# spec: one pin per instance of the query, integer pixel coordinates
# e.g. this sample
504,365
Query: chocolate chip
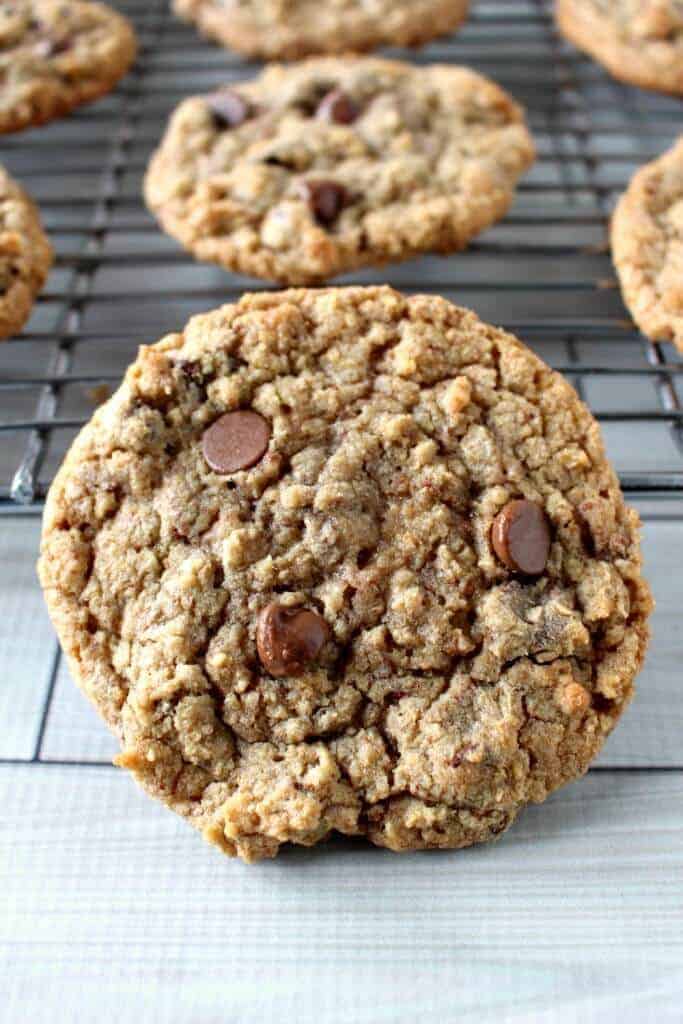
280,161
289,639
236,441
395,696
229,109
326,200
602,703
191,369
46,48
461,755
521,537
338,107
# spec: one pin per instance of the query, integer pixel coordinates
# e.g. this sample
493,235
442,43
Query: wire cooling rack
544,272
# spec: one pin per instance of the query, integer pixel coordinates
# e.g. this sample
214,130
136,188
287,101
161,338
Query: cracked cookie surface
647,247
291,29
56,55
329,639
314,170
25,255
638,41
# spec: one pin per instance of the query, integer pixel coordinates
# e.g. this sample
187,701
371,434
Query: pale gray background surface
111,909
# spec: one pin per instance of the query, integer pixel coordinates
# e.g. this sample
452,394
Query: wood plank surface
116,907
27,643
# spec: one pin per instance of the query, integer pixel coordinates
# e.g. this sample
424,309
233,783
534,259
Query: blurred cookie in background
25,255
647,247
315,169
56,55
638,41
290,29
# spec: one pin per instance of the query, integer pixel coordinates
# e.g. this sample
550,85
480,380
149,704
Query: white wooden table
111,909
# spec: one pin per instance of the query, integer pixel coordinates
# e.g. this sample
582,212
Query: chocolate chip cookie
316,169
56,55
25,255
647,247
290,29
638,41
341,560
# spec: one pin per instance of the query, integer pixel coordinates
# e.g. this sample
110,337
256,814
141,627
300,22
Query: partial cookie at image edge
630,62
647,253
50,96
25,248
435,18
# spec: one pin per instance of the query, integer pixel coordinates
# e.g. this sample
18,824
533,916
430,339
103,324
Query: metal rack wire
545,272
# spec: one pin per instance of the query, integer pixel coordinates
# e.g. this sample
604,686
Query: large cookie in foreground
638,41
290,29
330,165
344,560
56,55
25,255
647,247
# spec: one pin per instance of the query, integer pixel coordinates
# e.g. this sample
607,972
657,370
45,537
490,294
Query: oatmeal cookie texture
647,247
290,29
344,560
326,166
56,55
25,255
638,41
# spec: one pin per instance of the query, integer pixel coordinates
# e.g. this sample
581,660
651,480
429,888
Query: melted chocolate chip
46,48
602,704
229,109
289,639
338,107
190,369
280,161
326,200
238,440
395,697
521,537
